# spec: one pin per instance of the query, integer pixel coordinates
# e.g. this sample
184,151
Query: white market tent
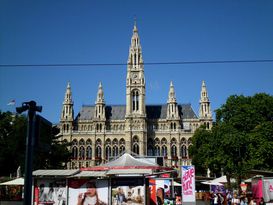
18,181
219,181
222,179
212,183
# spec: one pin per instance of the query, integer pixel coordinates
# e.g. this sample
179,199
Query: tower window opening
135,99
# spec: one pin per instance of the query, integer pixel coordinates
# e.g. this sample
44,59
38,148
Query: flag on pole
12,102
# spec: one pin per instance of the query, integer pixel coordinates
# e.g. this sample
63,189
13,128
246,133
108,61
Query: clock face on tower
135,76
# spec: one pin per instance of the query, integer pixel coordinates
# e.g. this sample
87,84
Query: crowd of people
232,199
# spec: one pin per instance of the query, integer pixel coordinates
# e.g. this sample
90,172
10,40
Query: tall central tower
135,97
135,82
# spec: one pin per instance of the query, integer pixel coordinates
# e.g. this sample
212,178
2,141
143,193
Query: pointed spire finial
68,84
203,84
135,24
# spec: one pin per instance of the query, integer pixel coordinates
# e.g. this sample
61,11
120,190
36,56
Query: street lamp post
30,140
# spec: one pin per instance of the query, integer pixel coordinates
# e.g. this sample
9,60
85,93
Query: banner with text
188,183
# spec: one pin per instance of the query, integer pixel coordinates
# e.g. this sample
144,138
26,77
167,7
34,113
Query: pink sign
188,183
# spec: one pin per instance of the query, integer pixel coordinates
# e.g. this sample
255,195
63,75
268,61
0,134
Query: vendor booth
124,180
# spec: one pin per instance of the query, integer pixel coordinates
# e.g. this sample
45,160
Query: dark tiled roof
117,112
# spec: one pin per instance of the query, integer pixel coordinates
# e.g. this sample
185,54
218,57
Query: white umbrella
18,181
212,183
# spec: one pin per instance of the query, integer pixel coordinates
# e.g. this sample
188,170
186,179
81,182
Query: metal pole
29,156
30,139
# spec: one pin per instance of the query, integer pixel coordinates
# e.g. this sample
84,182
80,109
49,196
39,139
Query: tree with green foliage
240,140
49,152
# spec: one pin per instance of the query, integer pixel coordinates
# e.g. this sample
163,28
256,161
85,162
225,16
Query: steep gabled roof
117,112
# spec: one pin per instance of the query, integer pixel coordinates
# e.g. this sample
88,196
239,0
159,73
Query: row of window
115,141
114,151
100,127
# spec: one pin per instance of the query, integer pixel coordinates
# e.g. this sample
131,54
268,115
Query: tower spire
204,108
100,105
67,111
135,81
172,109
100,94
172,98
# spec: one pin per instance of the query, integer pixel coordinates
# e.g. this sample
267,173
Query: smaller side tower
99,115
173,117
205,115
67,115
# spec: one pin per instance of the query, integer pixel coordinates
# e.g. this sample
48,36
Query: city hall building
101,132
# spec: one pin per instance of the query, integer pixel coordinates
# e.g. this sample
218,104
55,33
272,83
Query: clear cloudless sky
99,32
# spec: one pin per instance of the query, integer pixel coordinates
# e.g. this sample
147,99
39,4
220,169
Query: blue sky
99,31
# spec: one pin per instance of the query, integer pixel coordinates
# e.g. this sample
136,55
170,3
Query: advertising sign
52,192
160,191
128,191
188,183
268,190
88,192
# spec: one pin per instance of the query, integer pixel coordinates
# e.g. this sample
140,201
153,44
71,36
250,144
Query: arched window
189,141
74,152
183,151
82,152
107,152
115,141
163,141
164,151
135,145
183,141
121,149
98,149
174,151
157,141
88,142
157,150
115,151
74,142
81,142
88,152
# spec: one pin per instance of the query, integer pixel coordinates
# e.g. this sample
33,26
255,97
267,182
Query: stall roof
18,181
129,171
55,172
126,161
90,174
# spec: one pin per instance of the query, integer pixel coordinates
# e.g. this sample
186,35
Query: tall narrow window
174,152
135,145
82,153
135,100
184,151
164,151
157,150
108,152
89,152
74,152
115,151
98,152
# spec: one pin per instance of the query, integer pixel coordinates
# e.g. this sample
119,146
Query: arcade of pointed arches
82,149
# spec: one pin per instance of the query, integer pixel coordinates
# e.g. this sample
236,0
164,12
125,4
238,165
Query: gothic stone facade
102,132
